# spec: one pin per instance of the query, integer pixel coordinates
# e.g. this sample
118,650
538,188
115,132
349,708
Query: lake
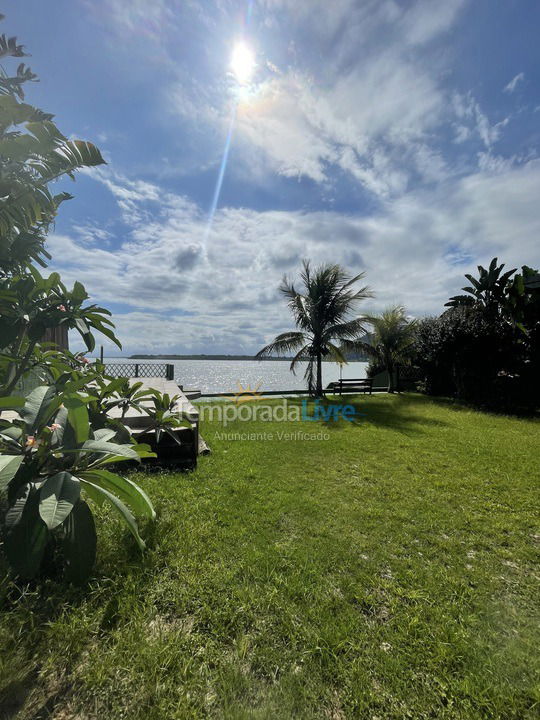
224,375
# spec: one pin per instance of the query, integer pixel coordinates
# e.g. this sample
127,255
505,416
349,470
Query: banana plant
487,291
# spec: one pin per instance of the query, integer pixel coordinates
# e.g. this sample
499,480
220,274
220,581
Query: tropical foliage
390,341
52,459
30,304
486,347
33,153
322,311
488,291
58,441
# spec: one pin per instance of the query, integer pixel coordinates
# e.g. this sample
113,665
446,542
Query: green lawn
390,571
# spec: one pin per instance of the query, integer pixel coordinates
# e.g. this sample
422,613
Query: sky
399,138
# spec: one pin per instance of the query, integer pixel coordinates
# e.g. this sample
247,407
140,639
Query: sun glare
243,62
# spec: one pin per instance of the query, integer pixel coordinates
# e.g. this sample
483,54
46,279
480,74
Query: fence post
169,374
136,370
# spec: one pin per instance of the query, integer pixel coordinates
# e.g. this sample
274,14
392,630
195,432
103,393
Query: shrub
57,442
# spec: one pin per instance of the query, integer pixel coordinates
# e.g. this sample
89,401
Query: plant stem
22,367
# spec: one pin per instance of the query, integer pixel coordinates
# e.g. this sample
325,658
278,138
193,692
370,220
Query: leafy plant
58,443
33,153
486,347
487,292
52,460
322,313
29,305
162,418
390,343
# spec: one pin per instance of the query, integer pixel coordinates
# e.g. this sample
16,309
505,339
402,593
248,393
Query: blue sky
397,138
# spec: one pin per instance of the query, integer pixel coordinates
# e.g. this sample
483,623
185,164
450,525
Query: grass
389,571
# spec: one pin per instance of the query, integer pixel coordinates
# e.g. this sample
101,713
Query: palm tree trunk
390,369
318,387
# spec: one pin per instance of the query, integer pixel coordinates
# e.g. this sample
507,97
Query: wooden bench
352,385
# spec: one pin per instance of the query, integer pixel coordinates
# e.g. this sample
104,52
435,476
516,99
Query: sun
243,62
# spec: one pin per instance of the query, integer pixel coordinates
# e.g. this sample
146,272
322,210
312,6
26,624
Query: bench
352,385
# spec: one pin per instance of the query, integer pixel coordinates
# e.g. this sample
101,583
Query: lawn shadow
36,605
33,606
396,412
456,405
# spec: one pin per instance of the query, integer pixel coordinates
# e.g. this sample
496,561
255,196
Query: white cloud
136,17
177,294
427,20
343,87
363,123
472,121
514,82
376,108
347,93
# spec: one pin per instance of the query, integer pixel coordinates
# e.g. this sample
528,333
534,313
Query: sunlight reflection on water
224,375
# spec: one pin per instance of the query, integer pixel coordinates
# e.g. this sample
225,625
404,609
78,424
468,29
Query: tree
462,352
485,347
58,441
322,313
391,341
33,153
486,292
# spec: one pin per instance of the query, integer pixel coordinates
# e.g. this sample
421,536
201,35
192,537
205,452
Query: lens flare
243,62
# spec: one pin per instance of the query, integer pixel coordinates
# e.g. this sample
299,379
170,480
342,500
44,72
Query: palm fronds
322,312
282,345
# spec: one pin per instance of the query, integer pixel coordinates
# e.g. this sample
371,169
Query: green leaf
11,434
93,492
109,333
89,341
12,403
81,326
126,490
81,382
79,293
25,543
77,416
40,405
79,543
58,495
144,450
119,507
16,509
109,448
64,435
9,464
104,434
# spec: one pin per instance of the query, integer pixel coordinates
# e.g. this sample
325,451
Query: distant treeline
352,358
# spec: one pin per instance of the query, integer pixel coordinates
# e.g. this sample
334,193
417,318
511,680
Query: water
224,375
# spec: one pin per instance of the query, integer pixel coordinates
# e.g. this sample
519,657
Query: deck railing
140,370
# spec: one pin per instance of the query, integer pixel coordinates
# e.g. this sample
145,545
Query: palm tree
390,341
322,313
